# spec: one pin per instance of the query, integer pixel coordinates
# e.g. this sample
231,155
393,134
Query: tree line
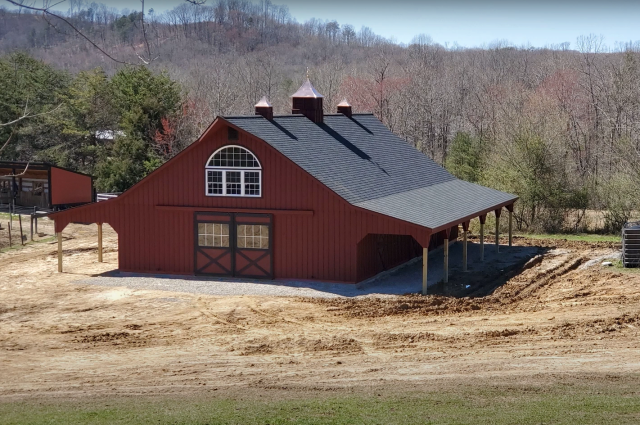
557,126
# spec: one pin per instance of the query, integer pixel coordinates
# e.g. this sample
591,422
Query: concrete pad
408,279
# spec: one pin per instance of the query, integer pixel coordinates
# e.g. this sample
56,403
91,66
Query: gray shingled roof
370,167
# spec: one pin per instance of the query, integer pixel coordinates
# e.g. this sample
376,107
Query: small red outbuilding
334,197
42,185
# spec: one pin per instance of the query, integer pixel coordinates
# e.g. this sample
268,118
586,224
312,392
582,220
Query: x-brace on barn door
237,245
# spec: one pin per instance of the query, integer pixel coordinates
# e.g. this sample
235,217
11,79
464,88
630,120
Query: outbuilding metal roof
362,161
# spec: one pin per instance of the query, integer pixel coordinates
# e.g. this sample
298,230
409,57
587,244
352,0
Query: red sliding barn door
253,240
237,245
213,248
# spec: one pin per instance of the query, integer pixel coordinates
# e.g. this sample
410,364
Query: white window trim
224,175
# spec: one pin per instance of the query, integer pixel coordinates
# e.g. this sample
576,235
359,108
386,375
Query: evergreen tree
465,159
142,100
27,83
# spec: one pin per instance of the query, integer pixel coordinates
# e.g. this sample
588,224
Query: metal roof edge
474,215
34,163
48,165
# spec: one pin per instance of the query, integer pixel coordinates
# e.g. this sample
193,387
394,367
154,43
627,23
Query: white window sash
242,172
224,183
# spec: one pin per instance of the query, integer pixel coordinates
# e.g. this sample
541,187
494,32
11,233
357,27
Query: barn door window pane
253,236
213,235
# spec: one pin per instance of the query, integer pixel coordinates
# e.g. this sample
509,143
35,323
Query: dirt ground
555,320
45,230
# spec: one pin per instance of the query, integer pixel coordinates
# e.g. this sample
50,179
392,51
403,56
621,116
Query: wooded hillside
557,126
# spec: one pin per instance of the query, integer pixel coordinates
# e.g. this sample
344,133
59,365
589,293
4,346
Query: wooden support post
21,234
59,252
498,212
446,260
36,222
465,230
9,229
483,219
31,226
510,209
100,242
447,235
425,261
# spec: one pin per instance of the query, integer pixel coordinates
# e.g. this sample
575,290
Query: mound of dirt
121,339
566,244
267,345
623,323
371,307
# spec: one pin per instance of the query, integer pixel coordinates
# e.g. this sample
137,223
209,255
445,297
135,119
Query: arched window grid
233,171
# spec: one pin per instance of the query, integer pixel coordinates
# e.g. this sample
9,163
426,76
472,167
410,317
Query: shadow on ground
480,279
483,279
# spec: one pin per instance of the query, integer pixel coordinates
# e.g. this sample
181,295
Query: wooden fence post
21,234
100,242
59,252
9,228
31,226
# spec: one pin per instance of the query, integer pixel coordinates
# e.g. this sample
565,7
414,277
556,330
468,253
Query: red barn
334,197
42,185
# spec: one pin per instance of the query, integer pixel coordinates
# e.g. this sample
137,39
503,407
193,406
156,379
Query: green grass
584,237
617,265
561,404
17,245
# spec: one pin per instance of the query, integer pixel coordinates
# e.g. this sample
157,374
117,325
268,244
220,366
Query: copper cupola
308,102
344,107
264,108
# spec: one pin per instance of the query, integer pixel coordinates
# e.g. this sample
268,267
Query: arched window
233,171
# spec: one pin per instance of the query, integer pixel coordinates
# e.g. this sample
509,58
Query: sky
468,23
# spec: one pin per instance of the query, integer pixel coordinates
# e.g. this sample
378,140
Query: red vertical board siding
324,246
70,188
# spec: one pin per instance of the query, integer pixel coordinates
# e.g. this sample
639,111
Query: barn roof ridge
248,117
235,117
